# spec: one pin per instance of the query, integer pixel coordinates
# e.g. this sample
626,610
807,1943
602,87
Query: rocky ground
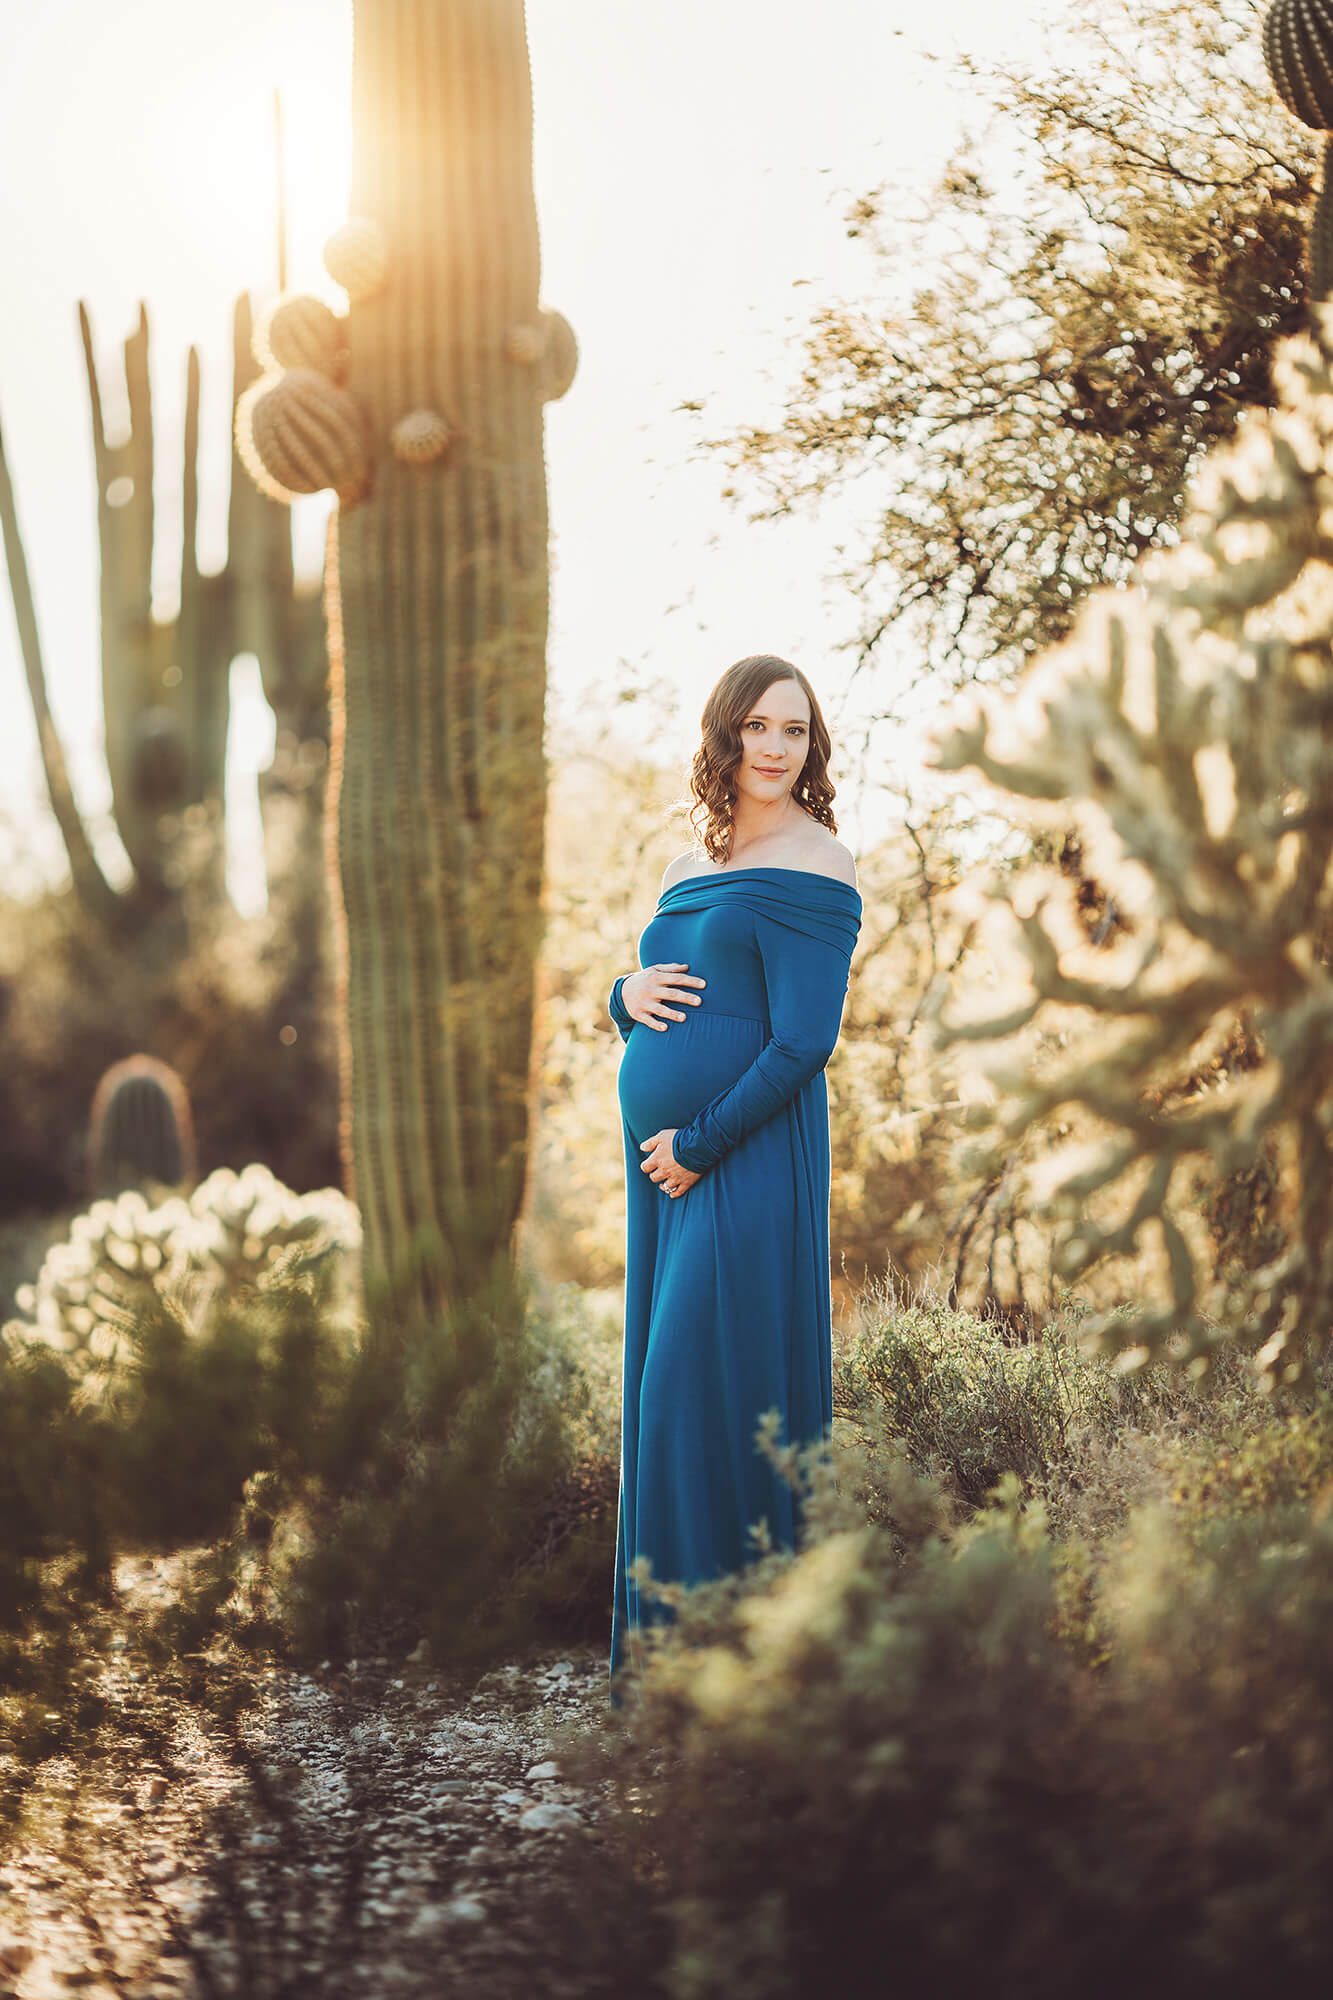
366,1830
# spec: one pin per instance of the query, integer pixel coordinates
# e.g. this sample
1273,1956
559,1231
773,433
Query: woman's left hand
662,1165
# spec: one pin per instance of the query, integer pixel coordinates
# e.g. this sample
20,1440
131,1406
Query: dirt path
359,1833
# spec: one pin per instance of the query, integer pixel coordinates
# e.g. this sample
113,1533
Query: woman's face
775,736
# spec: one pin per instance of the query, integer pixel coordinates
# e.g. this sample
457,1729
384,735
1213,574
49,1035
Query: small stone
549,1817
465,1909
550,1769
462,1909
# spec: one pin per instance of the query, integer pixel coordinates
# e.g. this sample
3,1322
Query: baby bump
666,1077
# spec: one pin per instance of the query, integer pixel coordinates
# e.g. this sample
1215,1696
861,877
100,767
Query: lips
768,774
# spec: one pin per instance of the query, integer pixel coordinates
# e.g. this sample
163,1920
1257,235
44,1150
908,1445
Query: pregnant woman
727,1028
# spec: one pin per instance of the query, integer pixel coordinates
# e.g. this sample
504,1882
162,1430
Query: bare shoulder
837,860
684,864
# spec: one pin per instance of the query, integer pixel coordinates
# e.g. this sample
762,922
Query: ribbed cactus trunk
438,595
1298,49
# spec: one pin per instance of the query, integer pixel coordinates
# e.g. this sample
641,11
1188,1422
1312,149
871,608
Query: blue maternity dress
728,1309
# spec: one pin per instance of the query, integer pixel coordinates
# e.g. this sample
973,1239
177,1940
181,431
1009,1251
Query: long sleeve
617,1009
806,982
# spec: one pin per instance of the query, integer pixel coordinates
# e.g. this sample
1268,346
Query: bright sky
694,160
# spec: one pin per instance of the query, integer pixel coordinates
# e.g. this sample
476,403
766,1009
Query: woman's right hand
646,994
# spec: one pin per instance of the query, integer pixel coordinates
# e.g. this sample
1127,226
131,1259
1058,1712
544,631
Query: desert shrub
469,1495
1285,1465
158,1456
822,1769
243,1404
968,1399
1218,1712
880,1754
319,1481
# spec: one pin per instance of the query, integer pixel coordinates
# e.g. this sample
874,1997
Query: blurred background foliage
1084,302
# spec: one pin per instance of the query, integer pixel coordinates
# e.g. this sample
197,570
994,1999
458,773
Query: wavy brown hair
712,774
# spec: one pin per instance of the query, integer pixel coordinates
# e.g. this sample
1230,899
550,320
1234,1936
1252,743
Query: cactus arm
205,639
95,893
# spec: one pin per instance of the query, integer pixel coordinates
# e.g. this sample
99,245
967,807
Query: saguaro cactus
1298,50
165,681
437,594
165,690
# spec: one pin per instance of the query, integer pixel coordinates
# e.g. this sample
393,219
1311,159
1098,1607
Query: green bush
322,1485
968,1400
1285,1464
467,1493
879,1755
158,1457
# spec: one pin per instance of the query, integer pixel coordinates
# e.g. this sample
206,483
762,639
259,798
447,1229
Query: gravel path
364,1832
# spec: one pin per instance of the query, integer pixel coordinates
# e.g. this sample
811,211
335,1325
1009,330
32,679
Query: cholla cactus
234,1230
1188,721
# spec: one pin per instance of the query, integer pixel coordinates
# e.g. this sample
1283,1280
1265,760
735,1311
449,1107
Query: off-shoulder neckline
717,874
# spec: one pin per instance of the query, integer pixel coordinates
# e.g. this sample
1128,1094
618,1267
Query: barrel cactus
437,606
140,1129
